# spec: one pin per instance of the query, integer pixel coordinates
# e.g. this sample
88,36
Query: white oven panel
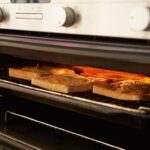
114,18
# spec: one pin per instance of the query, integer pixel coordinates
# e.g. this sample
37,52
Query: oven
110,36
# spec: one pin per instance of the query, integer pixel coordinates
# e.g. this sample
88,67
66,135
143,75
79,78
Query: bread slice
63,84
29,72
129,90
61,71
107,74
117,84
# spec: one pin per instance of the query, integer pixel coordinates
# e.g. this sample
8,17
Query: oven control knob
140,19
1,15
62,16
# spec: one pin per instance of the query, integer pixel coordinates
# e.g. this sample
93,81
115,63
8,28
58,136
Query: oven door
31,125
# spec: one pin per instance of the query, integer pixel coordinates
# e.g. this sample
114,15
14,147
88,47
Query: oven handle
60,129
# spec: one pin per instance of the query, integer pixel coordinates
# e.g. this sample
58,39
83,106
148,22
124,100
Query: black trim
93,38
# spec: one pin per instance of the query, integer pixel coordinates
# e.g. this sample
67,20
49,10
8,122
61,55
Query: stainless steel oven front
112,18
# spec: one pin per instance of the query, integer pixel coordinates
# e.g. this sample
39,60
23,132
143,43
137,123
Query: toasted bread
61,71
62,83
130,90
107,74
29,72
26,73
117,84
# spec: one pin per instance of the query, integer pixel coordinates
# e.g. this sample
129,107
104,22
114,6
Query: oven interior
72,121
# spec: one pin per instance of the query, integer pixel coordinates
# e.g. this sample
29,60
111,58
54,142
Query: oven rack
137,116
